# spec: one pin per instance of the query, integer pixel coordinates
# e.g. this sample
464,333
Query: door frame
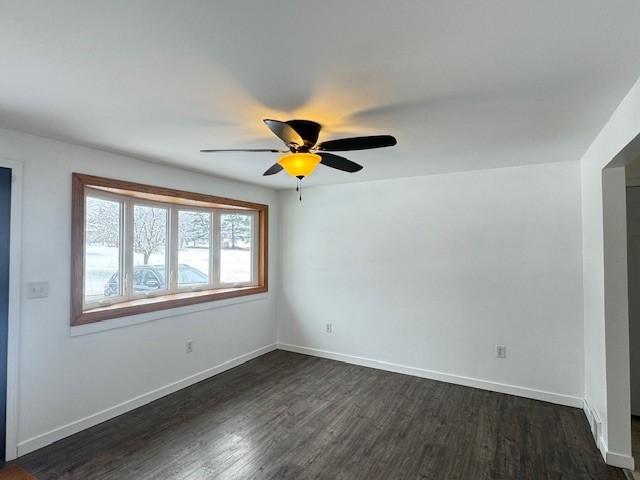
13,334
616,436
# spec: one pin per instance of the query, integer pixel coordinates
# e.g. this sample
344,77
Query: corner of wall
604,365
278,279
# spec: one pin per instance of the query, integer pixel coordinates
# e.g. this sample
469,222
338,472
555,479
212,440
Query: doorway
633,273
5,227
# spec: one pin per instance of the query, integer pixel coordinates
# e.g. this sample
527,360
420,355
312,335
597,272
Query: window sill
154,304
124,322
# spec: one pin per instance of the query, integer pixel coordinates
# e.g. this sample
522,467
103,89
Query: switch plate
501,351
188,346
37,289
328,328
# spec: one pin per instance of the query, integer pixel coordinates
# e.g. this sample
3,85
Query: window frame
129,252
121,251
218,248
175,262
131,194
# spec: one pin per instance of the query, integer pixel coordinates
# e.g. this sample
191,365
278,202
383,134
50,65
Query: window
103,255
150,249
138,248
236,238
194,252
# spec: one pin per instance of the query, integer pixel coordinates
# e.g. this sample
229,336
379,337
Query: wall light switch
37,289
501,351
328,328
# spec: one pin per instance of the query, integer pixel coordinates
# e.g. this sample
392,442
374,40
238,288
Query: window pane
193,248
102,249
149,248
235,248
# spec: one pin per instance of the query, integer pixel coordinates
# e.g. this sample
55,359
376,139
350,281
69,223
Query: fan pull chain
299,189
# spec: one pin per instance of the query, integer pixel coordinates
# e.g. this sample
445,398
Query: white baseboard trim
596,427
519,391
619,460
611,458
39,441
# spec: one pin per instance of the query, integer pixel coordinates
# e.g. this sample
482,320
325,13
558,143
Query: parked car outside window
147,278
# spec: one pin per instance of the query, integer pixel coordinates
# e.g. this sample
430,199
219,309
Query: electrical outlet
328,328
37,289
188,346
501,351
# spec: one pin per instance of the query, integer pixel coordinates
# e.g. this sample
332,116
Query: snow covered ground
102,262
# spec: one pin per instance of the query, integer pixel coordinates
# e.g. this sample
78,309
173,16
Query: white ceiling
462,84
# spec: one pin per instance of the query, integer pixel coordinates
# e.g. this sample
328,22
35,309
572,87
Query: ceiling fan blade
284,131
341,163
357,143
272,150
273,169
307,130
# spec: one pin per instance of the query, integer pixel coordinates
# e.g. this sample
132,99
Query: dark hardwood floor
290,416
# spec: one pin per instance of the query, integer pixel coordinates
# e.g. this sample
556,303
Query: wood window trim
80,182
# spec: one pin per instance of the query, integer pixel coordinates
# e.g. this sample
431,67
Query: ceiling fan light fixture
299,165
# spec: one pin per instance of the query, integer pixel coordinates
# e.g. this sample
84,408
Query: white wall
65,378
433,272
606,354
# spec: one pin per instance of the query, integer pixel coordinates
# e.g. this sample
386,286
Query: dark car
147,278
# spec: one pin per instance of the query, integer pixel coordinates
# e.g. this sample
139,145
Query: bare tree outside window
102,220
149,231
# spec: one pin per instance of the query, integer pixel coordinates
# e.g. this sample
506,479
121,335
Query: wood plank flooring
14,472
290,416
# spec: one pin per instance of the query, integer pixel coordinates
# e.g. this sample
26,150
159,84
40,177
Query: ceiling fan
305,153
